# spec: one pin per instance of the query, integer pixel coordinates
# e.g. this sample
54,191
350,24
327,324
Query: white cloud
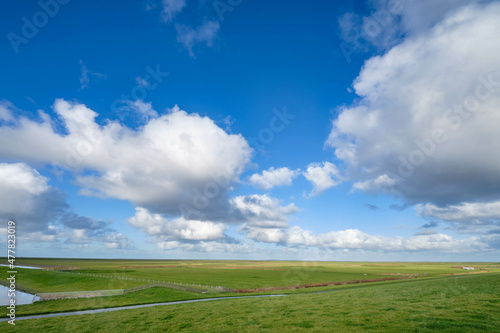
38,236
204,33
420,16
273,177
427,120
41,212
354,239
389,21
468,217
322,176
27,197
486,211
178,229
143,109
171,8
208,247
261,211
381,183
117,241
177,158
6,111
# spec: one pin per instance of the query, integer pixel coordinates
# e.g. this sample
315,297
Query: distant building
468,268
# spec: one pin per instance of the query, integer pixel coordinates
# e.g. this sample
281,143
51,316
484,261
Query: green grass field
438,295
455,304
232,274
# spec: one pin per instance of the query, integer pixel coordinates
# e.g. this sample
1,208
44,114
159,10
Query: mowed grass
454,304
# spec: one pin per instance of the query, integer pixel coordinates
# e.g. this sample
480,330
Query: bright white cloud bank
171,160
426,126
357,240
178,164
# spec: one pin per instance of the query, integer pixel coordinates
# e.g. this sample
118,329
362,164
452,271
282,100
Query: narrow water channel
21,297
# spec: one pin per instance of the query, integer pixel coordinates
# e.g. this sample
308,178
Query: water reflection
21,298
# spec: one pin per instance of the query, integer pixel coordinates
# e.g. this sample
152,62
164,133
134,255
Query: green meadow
456,304
425,296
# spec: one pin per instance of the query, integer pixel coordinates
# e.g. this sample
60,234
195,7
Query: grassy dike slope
456,304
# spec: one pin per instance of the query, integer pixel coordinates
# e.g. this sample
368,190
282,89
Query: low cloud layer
357,240
259,211
471,218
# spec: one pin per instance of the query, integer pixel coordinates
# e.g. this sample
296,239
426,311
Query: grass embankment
453,304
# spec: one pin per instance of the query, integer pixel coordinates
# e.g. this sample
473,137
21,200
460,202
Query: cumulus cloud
41,212
273,177
357,240
6,109
28,198
178,229
204,33
322,176
426,123
261,211
174,159
390,21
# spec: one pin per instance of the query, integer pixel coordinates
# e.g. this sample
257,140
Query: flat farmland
467,303
231,274
243,277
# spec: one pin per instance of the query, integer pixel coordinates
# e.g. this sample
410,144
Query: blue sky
355,130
